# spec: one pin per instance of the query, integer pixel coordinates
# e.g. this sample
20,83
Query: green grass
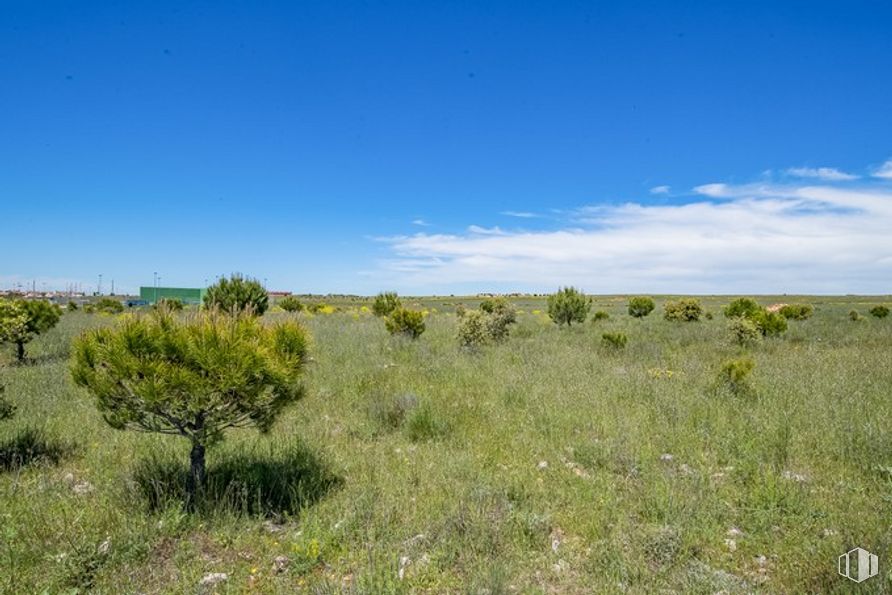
536,465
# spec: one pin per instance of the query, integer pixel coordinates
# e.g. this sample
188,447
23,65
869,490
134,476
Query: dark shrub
291,304
879,311
797,311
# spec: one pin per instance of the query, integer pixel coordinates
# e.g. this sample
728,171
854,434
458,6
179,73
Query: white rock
542,465
82,487
404,562
666,457
731,544
280,563
104,546
213,578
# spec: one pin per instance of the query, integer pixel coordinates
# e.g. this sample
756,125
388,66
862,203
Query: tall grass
543,464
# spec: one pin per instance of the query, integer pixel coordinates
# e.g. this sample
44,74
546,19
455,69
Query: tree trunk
20,350
197,472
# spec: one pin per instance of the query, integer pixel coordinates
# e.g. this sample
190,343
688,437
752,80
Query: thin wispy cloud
485,231
734,238
884,171
829,174
520,214
420,223
660,190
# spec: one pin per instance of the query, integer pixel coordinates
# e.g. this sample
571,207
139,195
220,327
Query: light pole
99,287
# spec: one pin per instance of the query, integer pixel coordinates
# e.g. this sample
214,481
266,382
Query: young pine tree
385,303
192,377
237,295
568,305
22,320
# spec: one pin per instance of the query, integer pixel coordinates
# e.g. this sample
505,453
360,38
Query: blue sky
449,147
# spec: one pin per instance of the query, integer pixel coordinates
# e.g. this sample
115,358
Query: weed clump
734,376
422,425
600,315
614,341
7,409
391,413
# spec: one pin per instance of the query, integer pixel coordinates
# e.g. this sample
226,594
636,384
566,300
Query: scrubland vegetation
464,452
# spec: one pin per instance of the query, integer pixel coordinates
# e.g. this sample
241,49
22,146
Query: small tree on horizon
22,320
193,377
237,295
568,305
385,303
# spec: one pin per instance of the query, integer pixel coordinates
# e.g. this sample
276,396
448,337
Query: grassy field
546,464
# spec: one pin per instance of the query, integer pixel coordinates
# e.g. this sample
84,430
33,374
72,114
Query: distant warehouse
187,295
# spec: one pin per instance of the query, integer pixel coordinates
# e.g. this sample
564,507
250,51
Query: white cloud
884,171
829,174
714,190
421,223
660,190
486,231
761,238
521,214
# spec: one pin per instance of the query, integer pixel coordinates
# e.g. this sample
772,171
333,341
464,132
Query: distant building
187,295
279,293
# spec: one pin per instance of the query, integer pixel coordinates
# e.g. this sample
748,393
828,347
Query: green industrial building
187,295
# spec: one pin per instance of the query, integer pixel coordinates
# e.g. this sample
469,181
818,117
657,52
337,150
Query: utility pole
155,285
99,287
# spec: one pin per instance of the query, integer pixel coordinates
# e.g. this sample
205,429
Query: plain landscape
551,460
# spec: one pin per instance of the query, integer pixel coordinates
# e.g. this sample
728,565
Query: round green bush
744,306
684,310
640,306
